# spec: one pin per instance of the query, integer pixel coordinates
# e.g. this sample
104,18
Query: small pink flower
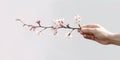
77,19
38,32
60,22
55,31
32,28
18,20
55,25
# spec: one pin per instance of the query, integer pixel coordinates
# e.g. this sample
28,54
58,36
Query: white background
18,43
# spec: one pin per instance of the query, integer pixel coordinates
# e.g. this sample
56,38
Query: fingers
79,30
91,26
87,30
89,37
91,31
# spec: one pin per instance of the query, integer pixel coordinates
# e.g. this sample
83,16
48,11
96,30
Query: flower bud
38,22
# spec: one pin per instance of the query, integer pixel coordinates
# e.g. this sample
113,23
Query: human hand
96,32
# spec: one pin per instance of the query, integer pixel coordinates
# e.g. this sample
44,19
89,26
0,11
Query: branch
58,24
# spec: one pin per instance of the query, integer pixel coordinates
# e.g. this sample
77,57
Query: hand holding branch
91,31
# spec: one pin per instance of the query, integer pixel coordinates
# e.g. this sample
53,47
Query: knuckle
97,24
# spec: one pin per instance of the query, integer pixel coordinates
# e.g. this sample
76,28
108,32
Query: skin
99,34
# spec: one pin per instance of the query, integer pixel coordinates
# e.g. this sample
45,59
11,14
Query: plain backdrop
18,43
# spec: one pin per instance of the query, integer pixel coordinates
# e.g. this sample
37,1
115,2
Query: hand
96,32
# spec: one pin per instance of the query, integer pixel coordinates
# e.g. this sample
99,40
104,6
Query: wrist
114,36
114,39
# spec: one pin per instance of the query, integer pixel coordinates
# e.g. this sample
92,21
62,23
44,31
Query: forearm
115,39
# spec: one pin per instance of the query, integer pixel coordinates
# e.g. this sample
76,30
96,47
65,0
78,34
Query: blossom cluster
57,24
